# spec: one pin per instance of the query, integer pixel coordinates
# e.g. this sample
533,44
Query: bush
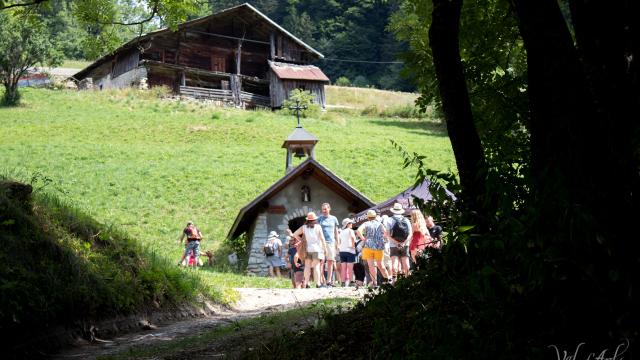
407,111
303,98
343,81
370,110
361,81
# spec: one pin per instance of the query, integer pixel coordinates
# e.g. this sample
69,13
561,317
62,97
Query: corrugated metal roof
298,72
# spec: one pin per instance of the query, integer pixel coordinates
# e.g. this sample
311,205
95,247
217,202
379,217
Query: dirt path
253,302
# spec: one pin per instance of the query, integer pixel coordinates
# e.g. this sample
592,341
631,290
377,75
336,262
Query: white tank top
311,236
345,241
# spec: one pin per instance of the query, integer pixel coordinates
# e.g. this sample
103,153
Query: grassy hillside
60,267
149,165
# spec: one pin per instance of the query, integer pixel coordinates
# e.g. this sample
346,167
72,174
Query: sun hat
346,222
371,214
273,234
397,209
311,216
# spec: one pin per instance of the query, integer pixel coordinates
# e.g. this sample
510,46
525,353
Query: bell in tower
299,144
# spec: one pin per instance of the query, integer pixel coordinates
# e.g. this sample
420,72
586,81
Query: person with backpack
400,234
421,236
372,232
273,251
312,248
194,236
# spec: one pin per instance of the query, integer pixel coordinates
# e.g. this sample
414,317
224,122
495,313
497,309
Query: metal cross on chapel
297,108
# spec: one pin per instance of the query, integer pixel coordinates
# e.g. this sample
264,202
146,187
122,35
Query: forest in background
343,30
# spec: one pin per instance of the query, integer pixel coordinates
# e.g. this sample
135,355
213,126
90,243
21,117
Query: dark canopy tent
406,198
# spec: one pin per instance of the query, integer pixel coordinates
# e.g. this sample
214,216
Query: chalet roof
297,72
309,167
300,135
185,25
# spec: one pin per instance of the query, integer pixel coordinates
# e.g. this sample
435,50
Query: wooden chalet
237,56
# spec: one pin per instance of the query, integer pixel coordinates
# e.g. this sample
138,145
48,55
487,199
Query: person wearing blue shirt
330,229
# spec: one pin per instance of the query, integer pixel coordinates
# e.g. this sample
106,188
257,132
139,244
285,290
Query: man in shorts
194,236
273,254
330,227
372,232
399,247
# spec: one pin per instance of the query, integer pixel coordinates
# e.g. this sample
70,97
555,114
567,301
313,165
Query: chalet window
218,63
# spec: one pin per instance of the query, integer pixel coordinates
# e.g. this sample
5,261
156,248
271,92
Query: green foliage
343,81
24,43
360,81
304,99
495,69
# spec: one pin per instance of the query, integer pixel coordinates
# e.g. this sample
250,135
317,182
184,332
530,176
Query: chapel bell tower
300,144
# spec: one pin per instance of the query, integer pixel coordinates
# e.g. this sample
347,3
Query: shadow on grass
421,127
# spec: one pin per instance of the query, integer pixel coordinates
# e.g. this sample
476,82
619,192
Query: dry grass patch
360,98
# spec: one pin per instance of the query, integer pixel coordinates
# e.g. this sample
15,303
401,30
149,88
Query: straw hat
346,222
371,214
397,209
312,216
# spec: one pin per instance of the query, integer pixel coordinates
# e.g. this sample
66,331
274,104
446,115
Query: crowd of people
332,253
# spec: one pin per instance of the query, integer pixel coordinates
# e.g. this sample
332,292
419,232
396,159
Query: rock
146,325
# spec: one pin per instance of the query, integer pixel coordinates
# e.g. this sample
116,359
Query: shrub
361,81
370,110
303,98
407,111
343,81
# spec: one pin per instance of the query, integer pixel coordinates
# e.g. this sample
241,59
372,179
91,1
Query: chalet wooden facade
237,56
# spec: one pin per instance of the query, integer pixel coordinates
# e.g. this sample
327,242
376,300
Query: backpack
400,229
268,248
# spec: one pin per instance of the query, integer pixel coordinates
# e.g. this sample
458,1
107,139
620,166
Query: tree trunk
582,107
11,95
444,42
562,144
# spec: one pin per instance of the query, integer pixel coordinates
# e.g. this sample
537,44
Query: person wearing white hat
347,249
312,249
273,251
372,232
401,227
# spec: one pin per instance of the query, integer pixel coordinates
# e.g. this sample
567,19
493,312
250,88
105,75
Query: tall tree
443,38
24,43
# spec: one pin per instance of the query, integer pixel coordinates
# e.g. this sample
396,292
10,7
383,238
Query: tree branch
154,12
34,2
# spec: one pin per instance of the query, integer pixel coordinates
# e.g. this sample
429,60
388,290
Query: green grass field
147,165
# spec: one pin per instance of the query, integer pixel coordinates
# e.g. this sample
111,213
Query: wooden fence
246,98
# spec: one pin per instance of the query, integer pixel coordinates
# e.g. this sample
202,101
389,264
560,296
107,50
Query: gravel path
253,302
